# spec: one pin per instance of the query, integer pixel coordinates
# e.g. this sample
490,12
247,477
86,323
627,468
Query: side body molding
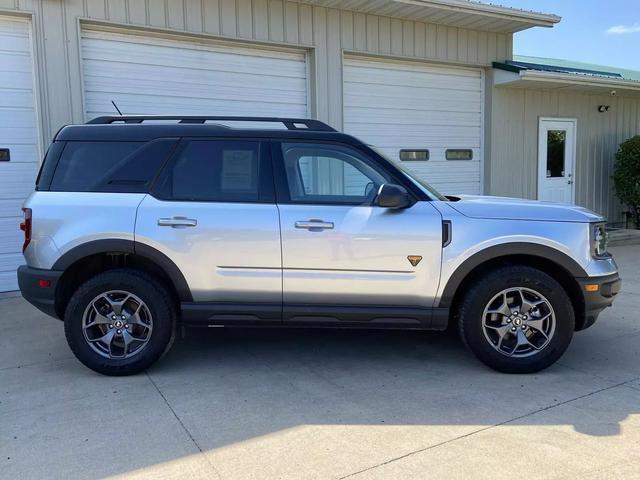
128,246
505,250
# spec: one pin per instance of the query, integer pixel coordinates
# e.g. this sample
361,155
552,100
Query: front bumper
599,293
38,287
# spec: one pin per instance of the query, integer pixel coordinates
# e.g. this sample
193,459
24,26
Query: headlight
599,240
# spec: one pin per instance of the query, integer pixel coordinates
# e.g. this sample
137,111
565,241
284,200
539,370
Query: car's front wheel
516,319
120,322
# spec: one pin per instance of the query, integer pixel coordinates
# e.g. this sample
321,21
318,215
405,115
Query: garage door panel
148,75
14,80
8,263
16,118
12,98
431,132
409,67
418,82
418,117
15,42
9,280
11,207
24,153
458,178
171,58
17,180
244,90
413,105
100,104
18,133
11,237
145,75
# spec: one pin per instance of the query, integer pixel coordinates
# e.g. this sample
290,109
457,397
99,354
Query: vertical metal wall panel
514,142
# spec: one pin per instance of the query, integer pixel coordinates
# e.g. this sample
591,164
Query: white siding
400,105
147,75
18,133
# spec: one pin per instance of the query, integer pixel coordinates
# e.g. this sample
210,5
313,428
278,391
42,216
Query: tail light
25,226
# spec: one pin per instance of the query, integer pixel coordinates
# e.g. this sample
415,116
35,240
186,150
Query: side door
212,212
556,160
345,259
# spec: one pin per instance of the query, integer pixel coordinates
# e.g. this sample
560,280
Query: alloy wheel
519,322
117,324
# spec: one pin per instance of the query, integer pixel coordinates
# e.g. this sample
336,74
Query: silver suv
139,225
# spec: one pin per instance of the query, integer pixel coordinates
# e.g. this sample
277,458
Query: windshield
421,184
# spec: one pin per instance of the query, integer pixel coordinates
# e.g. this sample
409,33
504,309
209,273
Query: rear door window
216,171
110,166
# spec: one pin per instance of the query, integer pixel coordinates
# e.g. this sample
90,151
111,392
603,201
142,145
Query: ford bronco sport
140,225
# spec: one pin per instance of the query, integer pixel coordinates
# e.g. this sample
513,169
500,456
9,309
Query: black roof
145,128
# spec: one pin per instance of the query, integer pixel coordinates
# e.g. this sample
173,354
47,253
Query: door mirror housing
393,196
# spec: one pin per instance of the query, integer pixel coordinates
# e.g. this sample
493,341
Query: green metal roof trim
567,66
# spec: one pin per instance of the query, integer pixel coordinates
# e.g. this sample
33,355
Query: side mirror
393,196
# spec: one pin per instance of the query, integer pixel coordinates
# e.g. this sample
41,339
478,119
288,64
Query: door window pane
556,141
330,174
215,171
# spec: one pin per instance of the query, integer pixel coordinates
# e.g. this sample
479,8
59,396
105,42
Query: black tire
148,289
484,288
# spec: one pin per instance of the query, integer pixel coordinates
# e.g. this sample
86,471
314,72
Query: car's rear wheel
516,319
120,322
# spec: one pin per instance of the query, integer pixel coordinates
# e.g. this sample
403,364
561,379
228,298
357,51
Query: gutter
498,11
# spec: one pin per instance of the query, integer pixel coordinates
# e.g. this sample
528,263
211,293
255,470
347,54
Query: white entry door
556,159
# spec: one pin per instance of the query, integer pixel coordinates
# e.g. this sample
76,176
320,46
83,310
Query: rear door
344,258
212,212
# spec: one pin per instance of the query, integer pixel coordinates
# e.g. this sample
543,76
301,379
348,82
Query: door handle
314,224
177,222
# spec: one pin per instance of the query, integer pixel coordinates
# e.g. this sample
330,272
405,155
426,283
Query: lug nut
110,325
513,329
122,317
508,320
126,325
113,317
119,332
524,327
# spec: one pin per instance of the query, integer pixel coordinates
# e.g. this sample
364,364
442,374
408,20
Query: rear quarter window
127,167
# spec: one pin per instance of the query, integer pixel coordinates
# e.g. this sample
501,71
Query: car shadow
304,376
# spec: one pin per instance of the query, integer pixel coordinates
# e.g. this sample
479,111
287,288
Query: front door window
330,174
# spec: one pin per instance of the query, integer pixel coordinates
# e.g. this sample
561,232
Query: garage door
396,105
151,75
18,141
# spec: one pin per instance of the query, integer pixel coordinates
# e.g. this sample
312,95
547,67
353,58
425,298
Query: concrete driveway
322,404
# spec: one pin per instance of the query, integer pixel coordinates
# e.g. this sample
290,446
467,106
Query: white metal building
400,74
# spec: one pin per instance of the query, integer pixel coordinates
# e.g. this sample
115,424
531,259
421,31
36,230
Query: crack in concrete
184,427
489,427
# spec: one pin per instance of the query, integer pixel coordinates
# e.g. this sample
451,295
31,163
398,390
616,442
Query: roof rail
290,123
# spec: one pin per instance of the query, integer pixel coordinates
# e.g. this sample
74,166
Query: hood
503,208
